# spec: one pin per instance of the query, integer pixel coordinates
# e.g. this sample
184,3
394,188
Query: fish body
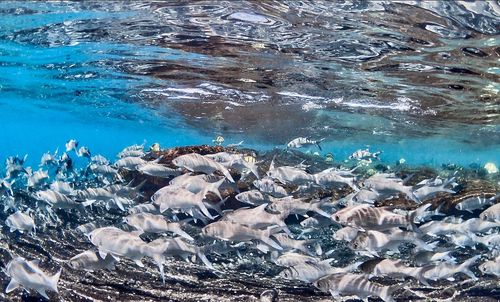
354,284
91,261
230,231
29,275
151,223
157,170
180,199
446,270
130,163
21,222
370,218
199,163
301,142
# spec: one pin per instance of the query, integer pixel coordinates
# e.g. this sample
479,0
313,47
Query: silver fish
198,163
21,222
90,261
301,142
354,284
230,231
29,275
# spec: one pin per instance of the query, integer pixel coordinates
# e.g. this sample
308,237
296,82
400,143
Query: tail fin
266,237
465,267
200,252
214,187
54,280
316,207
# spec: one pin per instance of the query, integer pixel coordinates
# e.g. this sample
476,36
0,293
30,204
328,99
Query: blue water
113,74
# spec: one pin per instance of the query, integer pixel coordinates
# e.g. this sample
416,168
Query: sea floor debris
383,208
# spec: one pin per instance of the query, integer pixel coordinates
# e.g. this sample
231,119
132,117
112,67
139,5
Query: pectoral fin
12,286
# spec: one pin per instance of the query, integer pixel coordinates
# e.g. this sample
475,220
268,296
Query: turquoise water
112,74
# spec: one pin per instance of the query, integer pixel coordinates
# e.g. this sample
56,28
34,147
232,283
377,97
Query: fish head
360,242
74,264
287,274
322,284
209,230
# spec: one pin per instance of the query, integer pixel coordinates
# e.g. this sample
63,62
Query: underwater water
415,79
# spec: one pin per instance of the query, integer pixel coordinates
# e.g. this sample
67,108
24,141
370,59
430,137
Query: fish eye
336,217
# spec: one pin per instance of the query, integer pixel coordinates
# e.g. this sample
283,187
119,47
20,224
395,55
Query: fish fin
13,284
465,267
102,254
119,204
139,263
88,202
54,280
268,232
43,293
388,291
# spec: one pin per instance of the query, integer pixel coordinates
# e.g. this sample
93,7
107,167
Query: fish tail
316,207
412,215
54,280
465,267
214,188
200,252
267,239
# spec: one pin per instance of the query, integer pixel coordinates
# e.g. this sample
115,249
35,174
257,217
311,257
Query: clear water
416,79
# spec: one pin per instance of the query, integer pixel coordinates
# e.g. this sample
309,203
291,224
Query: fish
428,257
144,208
198,163
389,185
268,186
289,259
197,183
157,170
492,213
21,222
230,231
474,203
49,159
330,178
436,228
310,271
91,261
477,225
375,241
346,234
60,201
342,284
72,144
298,207
14,166
178,198
491,267
370,218
119,243
397,269
289,175
365,154
37,178
151,223
290,244
256,218
236,162
179,247
84,152
29,275
426,192
132,151
129,163
253,197
446,270
301,142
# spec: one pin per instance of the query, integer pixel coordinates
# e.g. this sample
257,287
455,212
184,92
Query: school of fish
274,213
